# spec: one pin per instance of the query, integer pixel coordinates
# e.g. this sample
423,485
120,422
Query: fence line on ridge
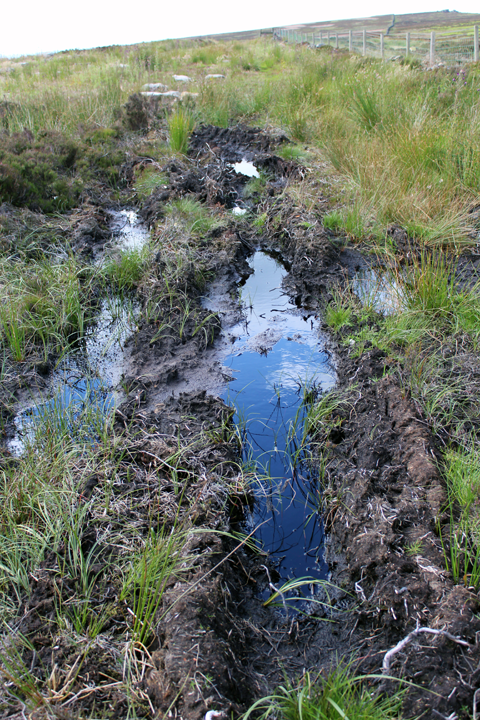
430,48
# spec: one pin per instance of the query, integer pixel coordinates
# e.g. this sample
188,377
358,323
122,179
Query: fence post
336,41
328,41
475,43
407,45
382,48
432,48
321,38
364,51
350,41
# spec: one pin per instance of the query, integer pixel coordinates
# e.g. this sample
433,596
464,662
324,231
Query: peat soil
214,645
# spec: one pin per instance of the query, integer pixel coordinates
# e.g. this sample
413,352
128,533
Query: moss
50,173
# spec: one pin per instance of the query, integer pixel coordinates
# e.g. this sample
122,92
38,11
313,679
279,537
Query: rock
185,95
215,76
158,87
169,93
182,78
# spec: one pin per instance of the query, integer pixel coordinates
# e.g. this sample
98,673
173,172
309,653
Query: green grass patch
180,124
195,218
339,695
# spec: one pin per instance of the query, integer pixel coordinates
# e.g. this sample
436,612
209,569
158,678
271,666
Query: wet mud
215,644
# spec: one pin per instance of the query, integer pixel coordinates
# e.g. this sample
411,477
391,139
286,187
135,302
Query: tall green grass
403,144
43,304
180,124
338,695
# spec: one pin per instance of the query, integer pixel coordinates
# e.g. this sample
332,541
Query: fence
431,48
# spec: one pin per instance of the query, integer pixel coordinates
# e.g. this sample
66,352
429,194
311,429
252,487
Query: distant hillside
443,20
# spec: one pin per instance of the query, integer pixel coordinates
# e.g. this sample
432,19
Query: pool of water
246,168
277,352
83,387
128,232
380,290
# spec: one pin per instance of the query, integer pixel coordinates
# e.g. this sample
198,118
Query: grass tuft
180,124
339,695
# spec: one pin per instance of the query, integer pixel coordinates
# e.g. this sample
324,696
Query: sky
35,26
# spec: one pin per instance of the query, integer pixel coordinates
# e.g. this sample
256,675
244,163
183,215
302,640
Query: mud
215,645
384,493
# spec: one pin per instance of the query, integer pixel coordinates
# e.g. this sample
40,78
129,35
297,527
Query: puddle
83,387
238,210
246,168
276,351
129,232
379,290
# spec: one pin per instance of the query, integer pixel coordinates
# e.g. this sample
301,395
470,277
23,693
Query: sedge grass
43,303
180,124
192,216
340,694
402,145
462,544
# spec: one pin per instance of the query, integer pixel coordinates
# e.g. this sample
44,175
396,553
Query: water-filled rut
277,359
83,387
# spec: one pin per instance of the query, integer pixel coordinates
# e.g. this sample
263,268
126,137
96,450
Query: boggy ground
385,501
172,464
384,495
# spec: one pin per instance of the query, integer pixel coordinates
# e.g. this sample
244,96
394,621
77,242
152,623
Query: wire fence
431,49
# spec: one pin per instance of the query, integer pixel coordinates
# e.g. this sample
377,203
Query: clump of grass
44,304
340,694
125,271
338,312
333,220
290,151
193,215
148,180
255,186
365,109
414,548
354,221
180,124
157,565
462,548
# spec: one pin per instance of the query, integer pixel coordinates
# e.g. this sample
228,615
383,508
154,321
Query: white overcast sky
34,26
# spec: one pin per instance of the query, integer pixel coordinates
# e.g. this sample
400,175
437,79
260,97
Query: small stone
159,87
216,76
182,78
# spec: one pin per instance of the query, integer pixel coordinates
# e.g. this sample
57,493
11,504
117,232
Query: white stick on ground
399,646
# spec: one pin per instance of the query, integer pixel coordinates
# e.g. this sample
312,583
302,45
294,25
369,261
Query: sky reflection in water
267,394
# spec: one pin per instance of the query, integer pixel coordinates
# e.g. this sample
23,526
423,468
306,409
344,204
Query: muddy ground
215,645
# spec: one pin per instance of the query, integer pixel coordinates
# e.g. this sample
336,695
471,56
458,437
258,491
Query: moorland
130,585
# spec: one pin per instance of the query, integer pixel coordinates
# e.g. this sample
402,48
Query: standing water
83,385
276,355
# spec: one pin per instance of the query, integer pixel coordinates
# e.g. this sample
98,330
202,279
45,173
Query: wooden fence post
364,50
350,41
382,48
407,44
475,43
432,48
336,41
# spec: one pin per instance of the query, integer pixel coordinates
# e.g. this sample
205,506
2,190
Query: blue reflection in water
275,354
82,389
78,408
